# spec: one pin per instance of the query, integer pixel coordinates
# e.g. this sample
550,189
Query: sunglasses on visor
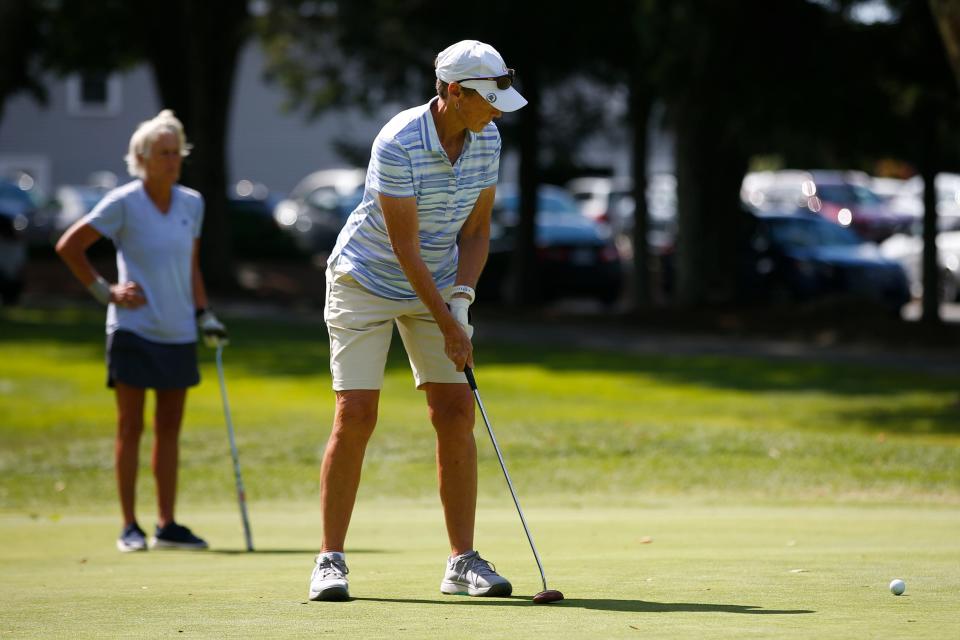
503,82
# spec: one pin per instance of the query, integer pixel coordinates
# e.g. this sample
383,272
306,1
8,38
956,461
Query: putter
547,595
238,479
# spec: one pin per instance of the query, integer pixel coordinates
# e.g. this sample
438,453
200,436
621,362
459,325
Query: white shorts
360,325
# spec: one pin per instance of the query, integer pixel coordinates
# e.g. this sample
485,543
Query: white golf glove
460,308
214,333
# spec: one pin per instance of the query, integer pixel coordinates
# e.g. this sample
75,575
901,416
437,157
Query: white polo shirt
155,250
408,160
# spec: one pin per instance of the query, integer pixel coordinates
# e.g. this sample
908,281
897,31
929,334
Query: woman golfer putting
415,244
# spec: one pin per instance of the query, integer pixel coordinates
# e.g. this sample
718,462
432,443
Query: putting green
683,569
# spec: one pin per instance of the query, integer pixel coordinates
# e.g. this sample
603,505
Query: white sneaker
469,574
329,578
132,538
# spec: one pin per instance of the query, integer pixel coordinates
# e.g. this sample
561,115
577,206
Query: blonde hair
146,134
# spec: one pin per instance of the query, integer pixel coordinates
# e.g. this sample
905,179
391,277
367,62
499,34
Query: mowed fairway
669,496
678,570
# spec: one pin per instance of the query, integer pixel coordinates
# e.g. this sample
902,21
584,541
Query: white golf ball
897,587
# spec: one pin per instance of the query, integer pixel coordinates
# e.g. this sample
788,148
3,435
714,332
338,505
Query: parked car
596,194
254,231
906,197
907,249
318,207
16,203
611,200
576,257
16,208
843,197
72,202
798,257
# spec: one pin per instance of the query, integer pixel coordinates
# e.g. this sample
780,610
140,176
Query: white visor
505,100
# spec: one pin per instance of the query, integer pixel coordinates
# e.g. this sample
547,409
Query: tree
825,91
192,48
947,15
355,53
734,86
925,96
20,43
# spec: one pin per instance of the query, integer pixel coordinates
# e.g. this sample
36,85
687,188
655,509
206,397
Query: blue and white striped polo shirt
408,160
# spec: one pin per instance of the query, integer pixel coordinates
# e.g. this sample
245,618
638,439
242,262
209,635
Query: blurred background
735,165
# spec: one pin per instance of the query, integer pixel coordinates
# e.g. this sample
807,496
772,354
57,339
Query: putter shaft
238,478
506,474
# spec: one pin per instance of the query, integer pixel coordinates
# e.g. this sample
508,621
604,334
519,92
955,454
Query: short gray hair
146,134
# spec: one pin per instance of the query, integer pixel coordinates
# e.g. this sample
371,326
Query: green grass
741,470
675,570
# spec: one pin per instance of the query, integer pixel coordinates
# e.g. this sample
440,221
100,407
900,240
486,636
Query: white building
87,124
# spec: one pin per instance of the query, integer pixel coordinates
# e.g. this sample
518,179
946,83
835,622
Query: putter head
548,596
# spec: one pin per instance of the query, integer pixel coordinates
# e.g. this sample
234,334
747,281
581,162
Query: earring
457,106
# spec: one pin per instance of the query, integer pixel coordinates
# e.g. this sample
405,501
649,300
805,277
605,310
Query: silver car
318,207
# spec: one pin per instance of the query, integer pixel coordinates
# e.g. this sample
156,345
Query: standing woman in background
152,314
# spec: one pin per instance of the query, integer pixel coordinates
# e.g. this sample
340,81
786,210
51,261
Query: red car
841,197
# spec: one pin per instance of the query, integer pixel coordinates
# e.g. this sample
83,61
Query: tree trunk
709,173
198,85
524,270
947,15
690,268
931,267
20,41
640,108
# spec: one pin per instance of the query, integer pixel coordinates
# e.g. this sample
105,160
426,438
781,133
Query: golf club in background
547,595
241,494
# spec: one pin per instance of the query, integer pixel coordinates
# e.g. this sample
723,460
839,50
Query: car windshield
13,199
352,201
842,193
550,204
806,233
866,196
847,194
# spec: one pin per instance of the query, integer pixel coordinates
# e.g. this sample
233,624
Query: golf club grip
467,371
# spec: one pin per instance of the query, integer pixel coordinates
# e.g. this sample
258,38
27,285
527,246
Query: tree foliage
20,46
192,49
799,79
803,80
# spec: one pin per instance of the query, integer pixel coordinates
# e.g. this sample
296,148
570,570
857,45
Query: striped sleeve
492,172
391,170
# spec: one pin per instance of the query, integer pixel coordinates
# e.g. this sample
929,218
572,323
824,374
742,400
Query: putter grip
467,371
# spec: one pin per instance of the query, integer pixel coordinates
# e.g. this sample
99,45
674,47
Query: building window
94,94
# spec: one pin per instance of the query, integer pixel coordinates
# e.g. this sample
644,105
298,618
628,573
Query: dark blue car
800,257
575,256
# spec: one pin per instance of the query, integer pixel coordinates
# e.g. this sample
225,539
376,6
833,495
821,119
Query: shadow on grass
274,347
603,604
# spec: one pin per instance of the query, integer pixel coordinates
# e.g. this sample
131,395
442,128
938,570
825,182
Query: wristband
462,288
100,289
